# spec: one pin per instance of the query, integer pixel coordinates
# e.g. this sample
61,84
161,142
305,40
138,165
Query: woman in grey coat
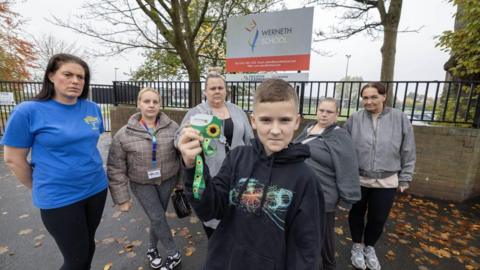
385,147
236,129
142,154
335,164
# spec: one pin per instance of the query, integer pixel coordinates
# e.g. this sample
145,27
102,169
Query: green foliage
464,43
160,65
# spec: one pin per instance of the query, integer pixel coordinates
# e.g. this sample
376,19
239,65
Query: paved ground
421,234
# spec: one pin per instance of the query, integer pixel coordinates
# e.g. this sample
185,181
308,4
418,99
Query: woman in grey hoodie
335,164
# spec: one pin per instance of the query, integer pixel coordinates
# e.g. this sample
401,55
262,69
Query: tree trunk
390,23
388,60
195,87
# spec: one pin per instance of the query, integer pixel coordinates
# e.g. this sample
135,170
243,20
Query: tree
48,45
16,54
181,27
347,91
464,63
463,43
160,65
358,17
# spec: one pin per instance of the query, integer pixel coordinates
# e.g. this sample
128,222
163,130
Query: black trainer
172,261
154,258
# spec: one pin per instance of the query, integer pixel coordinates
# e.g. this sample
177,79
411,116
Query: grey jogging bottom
154,200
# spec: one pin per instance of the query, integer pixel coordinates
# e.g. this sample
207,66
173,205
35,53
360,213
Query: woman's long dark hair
48,90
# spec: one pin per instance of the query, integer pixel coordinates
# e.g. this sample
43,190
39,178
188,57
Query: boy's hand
189,145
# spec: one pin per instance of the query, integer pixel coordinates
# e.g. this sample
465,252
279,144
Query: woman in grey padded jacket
142,154
385,146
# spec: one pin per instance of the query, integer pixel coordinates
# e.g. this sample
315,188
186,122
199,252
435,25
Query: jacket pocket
242,259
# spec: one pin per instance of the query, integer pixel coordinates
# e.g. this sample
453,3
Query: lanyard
151,131
198,181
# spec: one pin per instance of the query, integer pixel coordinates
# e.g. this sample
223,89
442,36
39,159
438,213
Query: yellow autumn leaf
189,251
108,266
339,230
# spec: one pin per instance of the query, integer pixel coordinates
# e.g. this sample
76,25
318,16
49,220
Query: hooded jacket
130,155
270,206
334,161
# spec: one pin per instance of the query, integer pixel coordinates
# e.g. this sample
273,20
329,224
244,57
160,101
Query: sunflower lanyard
210,128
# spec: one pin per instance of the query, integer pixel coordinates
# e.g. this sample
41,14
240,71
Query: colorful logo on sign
252,28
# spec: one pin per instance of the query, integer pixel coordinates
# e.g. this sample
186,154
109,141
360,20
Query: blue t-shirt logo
92,121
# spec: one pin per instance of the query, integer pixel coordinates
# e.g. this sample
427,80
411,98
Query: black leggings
378,201
73,228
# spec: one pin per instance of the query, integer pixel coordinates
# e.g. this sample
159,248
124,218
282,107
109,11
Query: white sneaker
358,261
154,258
371,258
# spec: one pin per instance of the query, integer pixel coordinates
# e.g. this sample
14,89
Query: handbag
180,204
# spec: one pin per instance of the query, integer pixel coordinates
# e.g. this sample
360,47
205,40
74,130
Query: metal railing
452,102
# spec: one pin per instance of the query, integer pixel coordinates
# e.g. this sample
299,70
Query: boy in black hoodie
265,195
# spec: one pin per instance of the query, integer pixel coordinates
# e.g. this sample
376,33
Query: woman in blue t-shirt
61,129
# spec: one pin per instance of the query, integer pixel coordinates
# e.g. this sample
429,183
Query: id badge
154,173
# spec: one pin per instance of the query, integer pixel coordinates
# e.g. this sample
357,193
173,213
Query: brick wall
448,159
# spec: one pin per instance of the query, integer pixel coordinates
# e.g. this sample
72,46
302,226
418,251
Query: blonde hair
215,72
147,89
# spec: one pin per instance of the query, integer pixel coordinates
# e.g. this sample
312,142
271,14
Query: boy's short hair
275,90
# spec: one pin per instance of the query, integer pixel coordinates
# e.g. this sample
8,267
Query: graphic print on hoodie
271,210
276,202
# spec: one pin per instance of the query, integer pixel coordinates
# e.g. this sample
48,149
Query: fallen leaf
131,254
121,240
108,266
170,215
173,232
339,230
107,241
121,252
25,232
140,268
37,244
39,237
3,249
23,216
189,250
184,232
116,214
128,247
194,220
136,243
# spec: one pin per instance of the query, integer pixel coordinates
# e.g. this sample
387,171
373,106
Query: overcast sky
417,57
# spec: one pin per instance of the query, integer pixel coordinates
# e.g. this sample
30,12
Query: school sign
275,41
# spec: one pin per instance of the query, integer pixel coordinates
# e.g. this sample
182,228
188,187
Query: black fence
424,102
